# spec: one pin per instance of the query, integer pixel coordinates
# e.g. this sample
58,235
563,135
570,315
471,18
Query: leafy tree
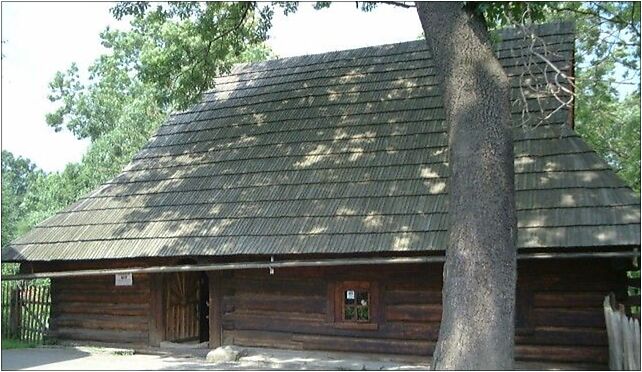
18,175
607,79
612,127
187,44
123,103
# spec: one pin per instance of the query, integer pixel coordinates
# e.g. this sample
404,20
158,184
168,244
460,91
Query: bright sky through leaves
42,38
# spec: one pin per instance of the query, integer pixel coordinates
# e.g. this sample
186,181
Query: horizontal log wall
559,304
93,309
561,310
292,309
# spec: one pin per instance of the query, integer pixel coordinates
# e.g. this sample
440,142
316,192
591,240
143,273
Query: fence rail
25,311
624,336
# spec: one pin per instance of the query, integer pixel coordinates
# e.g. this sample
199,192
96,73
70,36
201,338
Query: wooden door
181,306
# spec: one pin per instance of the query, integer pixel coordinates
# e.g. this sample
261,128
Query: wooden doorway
182,306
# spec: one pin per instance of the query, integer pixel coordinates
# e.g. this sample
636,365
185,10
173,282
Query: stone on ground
224,354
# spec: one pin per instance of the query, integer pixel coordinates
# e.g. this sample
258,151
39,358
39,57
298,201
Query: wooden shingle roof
342,152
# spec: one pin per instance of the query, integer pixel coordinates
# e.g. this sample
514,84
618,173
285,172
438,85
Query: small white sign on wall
124,279
350,295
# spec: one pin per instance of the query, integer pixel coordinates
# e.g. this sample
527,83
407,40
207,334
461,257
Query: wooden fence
624,336
25,311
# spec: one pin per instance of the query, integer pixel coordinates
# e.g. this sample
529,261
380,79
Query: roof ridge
328,53
507,33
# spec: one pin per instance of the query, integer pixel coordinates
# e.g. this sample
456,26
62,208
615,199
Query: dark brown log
564,336
308,317
277,340
568,318
572,283
283,287
106,288
270,302
399,297
330,312
112,336
104,322
413,313
418,283
371,345
102,298
107,309
585,354
568,299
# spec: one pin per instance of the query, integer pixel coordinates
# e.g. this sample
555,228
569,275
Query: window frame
338,304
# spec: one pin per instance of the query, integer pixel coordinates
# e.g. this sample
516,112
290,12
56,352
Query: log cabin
302,204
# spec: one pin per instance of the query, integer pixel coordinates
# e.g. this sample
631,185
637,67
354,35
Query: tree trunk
477,327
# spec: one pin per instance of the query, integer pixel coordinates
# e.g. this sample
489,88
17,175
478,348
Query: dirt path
89,358
94,359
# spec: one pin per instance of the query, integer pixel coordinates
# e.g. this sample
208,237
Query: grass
8,343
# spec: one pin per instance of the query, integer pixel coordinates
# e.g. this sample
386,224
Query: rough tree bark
477,327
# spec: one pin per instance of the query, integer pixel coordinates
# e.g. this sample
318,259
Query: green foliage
290,7
607,63
612,127
180,47
608,38
498,14
18,175
162,63
607,54
10,268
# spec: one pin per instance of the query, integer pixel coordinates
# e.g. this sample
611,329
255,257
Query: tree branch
398,3
616,19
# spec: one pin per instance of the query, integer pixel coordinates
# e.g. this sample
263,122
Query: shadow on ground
15,359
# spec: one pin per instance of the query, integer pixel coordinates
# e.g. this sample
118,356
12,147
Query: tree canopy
122,101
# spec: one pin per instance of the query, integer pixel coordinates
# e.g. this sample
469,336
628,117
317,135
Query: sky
42,38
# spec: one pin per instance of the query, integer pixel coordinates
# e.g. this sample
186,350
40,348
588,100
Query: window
355,304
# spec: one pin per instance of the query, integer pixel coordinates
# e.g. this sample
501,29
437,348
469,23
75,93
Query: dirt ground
93,358
80,358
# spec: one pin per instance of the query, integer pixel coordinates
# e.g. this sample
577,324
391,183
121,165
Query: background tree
18,175
607,104
119,106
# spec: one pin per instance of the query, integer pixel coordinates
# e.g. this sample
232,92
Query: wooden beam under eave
215,307
305,263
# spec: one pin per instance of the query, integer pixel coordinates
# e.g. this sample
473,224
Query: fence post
15,313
